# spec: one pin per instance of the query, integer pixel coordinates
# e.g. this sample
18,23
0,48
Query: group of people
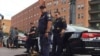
46,28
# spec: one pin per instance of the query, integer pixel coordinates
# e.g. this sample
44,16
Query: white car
21,39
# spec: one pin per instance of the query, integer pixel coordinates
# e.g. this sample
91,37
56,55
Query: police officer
32,40
58,32
44,27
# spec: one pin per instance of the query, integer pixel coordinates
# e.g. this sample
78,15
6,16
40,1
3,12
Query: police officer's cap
42,7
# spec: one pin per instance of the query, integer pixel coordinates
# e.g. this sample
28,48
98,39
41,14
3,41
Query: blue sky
11,7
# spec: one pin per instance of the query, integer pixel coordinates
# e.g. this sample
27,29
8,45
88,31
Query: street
18,52
12,52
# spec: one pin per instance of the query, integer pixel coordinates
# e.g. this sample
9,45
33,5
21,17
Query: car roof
75,28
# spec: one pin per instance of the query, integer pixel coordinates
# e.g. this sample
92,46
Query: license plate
19,41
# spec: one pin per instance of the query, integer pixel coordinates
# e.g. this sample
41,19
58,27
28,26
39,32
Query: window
55,2
49,3
63,9
64,1
80,6
82,15
55,10
78,16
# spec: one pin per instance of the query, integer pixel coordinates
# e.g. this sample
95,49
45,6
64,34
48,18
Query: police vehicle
81,40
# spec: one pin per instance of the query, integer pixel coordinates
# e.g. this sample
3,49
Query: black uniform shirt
59,24
45,17
31,30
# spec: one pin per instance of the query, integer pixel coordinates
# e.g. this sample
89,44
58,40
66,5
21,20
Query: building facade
5,25
74,11
94,14
29,15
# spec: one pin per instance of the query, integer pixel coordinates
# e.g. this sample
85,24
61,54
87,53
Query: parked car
81,40
21,39
5,41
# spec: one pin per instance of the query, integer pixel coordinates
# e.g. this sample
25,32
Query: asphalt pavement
12,52
18,52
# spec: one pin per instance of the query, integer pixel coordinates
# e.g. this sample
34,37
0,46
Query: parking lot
19,52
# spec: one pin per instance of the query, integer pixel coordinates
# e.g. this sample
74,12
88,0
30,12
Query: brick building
79,16
74,11
23,19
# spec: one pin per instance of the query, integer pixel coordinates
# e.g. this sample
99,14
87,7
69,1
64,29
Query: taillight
89,35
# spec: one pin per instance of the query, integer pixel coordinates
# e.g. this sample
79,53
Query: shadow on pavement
21,55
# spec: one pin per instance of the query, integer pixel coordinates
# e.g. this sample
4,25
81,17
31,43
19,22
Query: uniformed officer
58,32
32,40
44,26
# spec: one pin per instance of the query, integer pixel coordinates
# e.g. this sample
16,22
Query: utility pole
72,11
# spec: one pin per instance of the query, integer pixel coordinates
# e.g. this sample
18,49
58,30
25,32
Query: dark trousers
32,43
57,45
16,42
45,45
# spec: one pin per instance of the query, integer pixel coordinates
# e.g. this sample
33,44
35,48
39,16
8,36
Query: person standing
14,35
45,24
32,40
58,32
11,35
16,38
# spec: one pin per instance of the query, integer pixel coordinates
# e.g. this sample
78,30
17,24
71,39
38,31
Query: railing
94,1
94,20
95,11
